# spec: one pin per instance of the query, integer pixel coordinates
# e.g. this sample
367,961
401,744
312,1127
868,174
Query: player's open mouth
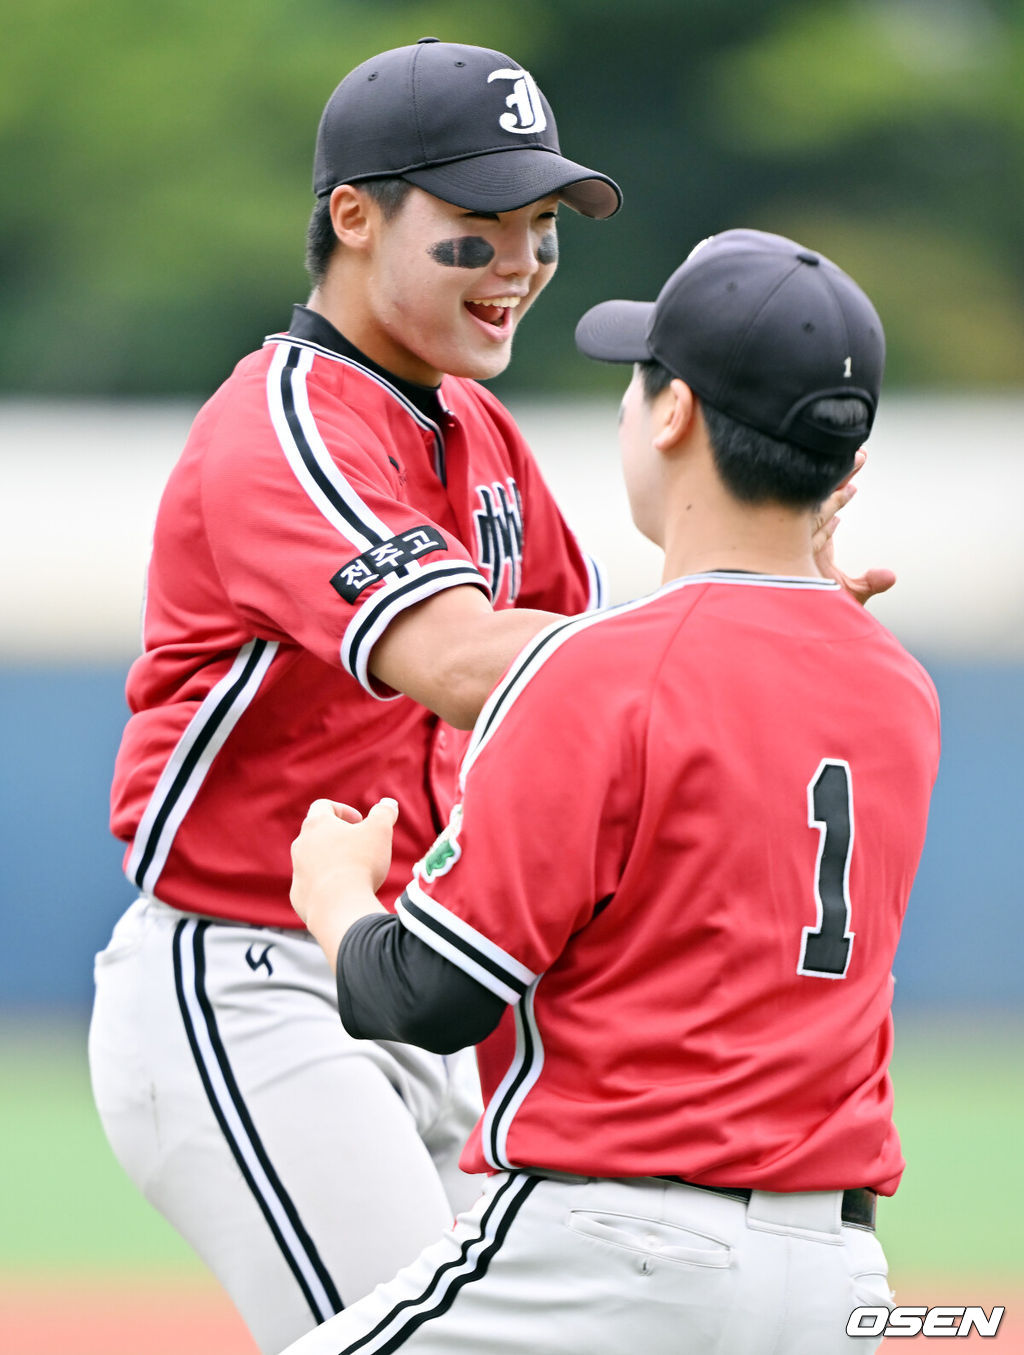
495,312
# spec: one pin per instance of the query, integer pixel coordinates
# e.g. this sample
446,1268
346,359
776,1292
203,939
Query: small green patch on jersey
445,851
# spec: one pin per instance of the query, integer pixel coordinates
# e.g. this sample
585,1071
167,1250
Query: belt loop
812,1211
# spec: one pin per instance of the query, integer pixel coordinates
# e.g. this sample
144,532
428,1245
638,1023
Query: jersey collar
312,326
751,578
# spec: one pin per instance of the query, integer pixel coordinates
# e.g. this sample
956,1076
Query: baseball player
667,901
353,545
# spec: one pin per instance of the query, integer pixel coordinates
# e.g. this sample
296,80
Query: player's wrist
335,902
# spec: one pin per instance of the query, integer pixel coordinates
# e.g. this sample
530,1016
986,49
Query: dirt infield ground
44,1318
40,1317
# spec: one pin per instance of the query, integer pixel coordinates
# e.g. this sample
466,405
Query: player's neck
342,299
706,529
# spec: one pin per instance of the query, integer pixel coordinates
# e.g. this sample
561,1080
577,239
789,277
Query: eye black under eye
547,247
464,251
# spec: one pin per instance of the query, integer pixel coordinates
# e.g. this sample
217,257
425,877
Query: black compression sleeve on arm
393,986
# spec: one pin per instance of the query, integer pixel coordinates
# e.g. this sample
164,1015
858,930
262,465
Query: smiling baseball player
667,903
354,543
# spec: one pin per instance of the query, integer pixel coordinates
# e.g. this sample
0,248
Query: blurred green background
70,1208
157,165
155,193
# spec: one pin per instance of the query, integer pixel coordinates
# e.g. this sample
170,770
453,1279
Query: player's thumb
321,809
385,811
880,580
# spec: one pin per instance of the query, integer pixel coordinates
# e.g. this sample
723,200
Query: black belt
858,1207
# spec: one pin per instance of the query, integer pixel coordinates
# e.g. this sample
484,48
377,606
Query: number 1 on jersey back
825,952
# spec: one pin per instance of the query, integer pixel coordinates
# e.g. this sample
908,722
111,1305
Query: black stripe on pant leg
520,1188
312,1256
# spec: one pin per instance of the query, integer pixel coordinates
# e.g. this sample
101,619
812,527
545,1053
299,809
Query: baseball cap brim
503,181
616,331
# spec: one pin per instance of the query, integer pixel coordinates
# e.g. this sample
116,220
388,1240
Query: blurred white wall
79,485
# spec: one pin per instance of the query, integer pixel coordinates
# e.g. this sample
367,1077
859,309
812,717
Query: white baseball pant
302,1165
599,1267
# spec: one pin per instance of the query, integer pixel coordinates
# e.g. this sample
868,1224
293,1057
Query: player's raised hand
339,861
872,581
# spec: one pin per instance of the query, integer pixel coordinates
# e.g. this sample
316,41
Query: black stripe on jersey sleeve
464,947
309,460
422,403
393,986
461,571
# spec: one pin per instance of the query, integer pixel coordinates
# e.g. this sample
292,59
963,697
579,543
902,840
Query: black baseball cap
760,328
466,124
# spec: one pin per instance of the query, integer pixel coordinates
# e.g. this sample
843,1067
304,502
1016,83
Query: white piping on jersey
377,613
333,496
412,410
515,1086
360,516
546,642
597,583
504,975
191,760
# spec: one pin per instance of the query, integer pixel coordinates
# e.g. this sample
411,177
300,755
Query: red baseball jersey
687,834
316,499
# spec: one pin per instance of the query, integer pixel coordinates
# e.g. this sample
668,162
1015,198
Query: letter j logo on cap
527,110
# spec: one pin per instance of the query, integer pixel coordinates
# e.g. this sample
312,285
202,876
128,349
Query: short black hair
756,468
654,377
388,193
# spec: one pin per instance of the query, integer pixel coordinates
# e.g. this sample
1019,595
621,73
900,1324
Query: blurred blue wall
62,886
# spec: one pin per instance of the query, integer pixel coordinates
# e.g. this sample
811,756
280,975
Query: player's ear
352,216
674,415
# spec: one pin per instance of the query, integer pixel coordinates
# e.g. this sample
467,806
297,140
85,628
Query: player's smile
495,312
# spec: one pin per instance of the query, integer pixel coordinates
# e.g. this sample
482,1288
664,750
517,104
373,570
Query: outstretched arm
449,651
